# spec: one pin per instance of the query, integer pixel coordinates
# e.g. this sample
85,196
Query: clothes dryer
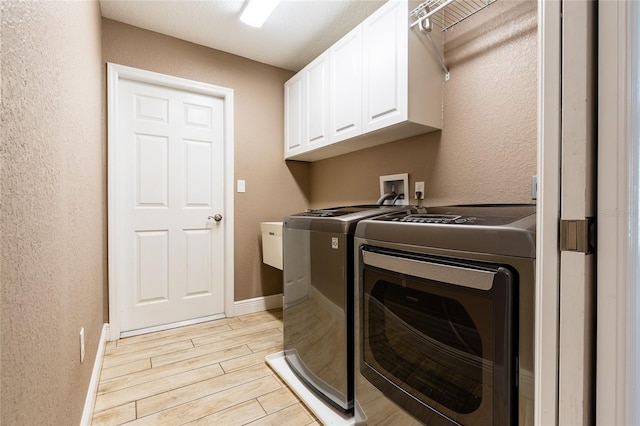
445,316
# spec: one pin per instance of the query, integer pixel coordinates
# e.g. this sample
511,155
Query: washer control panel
431,218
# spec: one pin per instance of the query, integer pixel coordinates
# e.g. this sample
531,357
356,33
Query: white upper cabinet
346,86
293,115
317,102
307,108
379,83
385,67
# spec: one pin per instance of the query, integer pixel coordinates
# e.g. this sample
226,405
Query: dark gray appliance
445,324
318,298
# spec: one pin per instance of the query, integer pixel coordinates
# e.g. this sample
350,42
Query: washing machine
318,314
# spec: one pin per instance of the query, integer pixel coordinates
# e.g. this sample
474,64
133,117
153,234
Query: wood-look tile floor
211,373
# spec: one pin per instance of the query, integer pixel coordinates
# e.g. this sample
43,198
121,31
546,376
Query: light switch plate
241,185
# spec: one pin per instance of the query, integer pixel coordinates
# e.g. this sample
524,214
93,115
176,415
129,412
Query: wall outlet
420,190
82,345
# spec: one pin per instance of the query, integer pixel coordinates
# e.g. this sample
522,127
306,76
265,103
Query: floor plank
128,356
231,341
277,400
211,373
125,369
200,389
210,404
238,415
290,416
170,369
116,415
155,387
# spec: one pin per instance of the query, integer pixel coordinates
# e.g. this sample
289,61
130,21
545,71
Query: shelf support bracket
425,27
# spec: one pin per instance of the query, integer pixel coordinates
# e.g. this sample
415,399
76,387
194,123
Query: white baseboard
170,326
257,304
90,401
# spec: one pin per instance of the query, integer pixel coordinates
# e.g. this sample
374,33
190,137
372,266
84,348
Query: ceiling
296,32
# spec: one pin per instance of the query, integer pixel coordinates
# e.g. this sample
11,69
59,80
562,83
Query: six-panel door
171,151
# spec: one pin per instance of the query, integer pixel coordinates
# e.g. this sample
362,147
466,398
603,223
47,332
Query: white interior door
168,186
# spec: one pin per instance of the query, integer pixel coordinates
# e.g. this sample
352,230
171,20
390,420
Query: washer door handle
464,276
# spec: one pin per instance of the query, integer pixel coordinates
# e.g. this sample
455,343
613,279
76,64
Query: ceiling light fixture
257,11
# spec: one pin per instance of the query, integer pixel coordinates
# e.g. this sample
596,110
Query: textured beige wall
53,218
273,190
486,152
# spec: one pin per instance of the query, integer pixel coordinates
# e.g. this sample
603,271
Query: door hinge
578,235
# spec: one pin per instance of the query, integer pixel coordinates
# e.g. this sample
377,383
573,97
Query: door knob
217,217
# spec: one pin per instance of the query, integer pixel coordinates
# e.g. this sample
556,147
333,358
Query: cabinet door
294,134
385,49
317,102
346,86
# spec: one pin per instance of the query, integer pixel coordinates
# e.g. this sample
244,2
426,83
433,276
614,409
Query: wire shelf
447,13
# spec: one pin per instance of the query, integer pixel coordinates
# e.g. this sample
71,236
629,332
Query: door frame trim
616,370
547,315
115,73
